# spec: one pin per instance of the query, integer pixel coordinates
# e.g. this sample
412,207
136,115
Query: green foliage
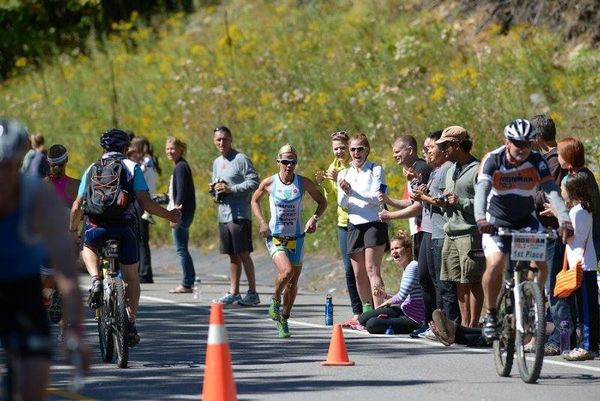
289,71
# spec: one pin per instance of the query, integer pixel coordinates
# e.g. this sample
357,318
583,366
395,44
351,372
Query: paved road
169,362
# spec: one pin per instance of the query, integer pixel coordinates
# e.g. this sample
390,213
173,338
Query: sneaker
421,329
95,298
283,329
578,354
350,324
489,331
551,349
228,299
134,337
274,309
529,348
250,299
430,335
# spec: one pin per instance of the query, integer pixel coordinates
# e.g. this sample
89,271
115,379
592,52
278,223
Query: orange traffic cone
218,376
337,355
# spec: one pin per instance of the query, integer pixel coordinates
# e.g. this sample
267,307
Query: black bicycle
111,316
520,307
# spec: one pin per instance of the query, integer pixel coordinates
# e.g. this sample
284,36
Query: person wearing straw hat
284,234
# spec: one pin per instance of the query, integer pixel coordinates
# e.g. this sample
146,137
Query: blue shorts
95,237
293,247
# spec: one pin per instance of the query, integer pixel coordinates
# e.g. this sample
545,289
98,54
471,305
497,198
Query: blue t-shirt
134,172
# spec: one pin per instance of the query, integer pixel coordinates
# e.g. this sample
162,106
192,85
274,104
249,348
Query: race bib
288,244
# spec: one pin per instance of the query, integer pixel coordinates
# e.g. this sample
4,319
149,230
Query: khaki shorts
459,264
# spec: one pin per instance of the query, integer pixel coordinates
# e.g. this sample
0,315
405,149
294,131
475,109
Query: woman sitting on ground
405,311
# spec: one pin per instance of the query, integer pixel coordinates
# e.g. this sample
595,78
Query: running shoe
250,299
489,331
274,309
95,298
228,299
283,329
134,337
416,332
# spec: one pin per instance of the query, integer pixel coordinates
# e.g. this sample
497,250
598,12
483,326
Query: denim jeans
181,236
350,279
447,289
561,309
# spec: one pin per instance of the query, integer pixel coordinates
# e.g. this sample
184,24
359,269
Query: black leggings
378,320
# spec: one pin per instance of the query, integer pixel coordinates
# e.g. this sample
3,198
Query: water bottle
328,310
196,289
565,338
389,331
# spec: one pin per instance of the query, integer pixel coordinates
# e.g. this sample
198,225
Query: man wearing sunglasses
505,197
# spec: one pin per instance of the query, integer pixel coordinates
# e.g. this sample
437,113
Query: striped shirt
410,297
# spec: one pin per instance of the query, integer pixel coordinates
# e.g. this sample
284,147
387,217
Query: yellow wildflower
21,62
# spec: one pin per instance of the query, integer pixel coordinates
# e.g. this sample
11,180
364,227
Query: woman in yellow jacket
328,181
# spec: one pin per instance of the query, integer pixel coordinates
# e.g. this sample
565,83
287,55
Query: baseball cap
454,133
13,139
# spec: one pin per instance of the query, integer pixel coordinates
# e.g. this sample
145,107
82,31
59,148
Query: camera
443,198
218,196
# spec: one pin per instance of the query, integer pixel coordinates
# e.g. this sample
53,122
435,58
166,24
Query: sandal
443,328
180,290
578,354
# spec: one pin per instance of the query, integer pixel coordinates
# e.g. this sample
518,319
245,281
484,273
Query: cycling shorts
495,243
293,247
96,236
24,327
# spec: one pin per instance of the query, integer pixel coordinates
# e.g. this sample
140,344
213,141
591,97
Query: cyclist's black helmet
115,140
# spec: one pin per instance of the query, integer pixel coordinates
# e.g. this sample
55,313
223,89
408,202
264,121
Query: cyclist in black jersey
505,197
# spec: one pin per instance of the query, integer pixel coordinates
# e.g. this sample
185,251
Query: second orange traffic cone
218,375
337,355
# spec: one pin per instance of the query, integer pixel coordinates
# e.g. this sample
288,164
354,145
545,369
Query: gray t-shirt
437,184
238,172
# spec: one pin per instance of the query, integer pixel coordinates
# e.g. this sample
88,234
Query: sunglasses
222,128
288,162
339,134
357,149
521,144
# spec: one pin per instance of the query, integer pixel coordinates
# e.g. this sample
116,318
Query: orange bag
568,280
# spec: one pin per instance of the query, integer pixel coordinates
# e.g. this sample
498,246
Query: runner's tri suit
287,230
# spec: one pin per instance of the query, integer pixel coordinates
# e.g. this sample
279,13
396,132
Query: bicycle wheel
504,347
104,318
121,331
534,325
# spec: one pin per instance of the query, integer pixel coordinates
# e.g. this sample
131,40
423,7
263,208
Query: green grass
283,72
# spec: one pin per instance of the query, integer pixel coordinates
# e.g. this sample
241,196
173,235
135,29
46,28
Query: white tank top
286,207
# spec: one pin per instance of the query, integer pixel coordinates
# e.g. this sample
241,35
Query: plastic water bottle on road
329,310
196,290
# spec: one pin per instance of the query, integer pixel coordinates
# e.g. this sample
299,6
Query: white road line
355,332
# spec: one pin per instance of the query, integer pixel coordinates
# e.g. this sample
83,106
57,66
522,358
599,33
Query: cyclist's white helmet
520,130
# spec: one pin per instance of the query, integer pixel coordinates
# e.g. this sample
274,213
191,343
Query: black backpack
108,196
